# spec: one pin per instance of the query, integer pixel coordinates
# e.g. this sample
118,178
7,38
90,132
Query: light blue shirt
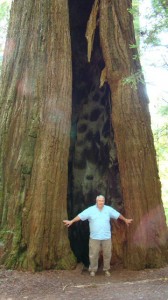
99,221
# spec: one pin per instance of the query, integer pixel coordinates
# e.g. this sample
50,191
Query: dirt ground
78,285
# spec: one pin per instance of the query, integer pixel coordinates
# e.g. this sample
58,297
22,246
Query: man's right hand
67,223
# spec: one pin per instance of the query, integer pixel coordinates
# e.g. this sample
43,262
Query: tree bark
146,240
35,121
35,129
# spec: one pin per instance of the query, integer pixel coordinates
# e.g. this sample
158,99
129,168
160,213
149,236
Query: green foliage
160,7
133,46
4,19
134,79
134,10
4,10
158,19
163,110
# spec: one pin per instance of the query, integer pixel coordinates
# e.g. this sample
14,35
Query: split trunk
66,138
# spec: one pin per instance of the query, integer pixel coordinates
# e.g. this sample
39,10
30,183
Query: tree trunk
146,240
35,129
35,119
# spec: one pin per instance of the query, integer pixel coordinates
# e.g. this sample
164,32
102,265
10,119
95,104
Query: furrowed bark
146,242
35,129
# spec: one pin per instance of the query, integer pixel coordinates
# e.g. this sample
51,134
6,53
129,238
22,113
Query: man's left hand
128,221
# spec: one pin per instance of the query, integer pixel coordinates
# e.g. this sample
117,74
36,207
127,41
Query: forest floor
149,284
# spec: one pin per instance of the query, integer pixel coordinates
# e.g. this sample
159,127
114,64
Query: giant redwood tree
71,129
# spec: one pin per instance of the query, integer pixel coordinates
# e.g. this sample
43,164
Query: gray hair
100,196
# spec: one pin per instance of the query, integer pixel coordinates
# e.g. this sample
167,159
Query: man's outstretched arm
127,221
70,222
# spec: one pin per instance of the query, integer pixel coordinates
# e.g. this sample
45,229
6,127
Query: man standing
99,216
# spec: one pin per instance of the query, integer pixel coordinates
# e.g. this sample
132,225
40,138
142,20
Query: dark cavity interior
93,165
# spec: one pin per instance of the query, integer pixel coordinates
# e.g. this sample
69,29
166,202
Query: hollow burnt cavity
93,165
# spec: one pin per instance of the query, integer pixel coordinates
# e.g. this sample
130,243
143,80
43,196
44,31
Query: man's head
100,200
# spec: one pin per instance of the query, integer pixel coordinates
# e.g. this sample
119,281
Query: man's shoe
107,273
92,273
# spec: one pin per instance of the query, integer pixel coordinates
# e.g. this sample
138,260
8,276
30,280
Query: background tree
109,149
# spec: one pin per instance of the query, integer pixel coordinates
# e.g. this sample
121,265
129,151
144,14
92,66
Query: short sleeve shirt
99,221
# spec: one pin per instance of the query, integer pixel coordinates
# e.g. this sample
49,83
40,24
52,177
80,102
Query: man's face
100,202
